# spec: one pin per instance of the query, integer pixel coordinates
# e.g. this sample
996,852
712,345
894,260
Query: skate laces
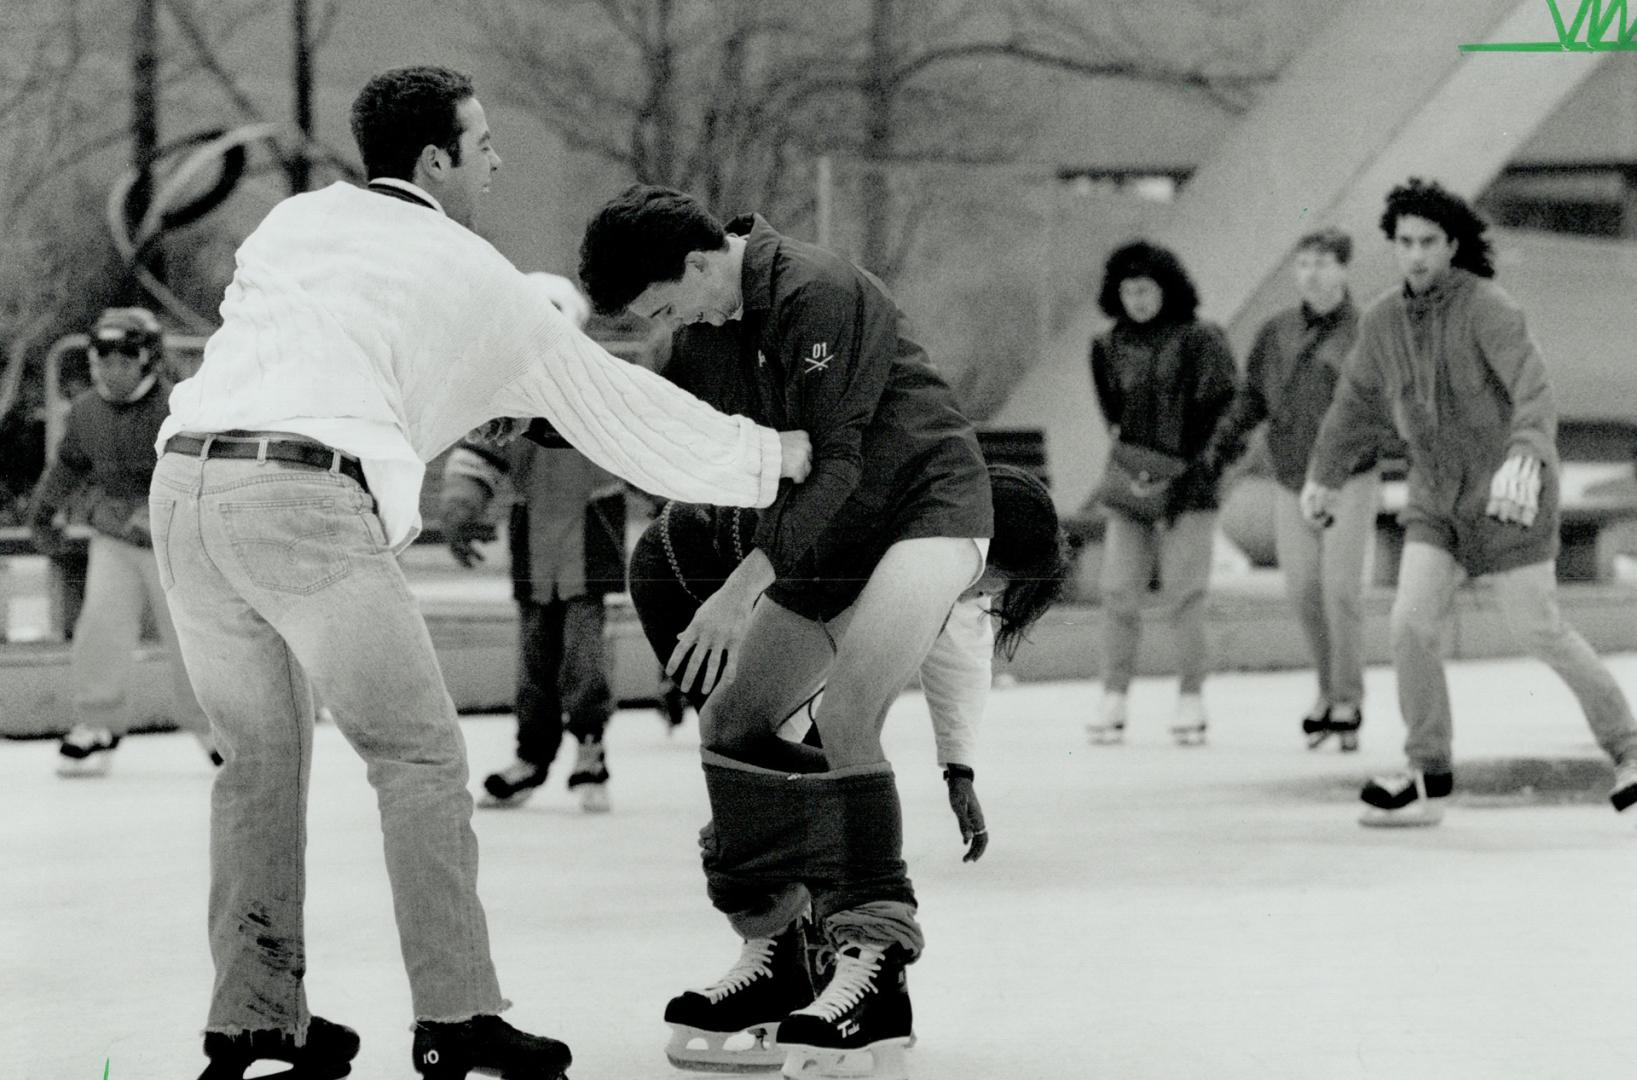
854,976
755,960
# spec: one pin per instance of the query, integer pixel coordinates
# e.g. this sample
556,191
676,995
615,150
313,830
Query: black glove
466,536
963,799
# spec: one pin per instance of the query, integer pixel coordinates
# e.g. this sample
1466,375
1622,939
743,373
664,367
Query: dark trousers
560,670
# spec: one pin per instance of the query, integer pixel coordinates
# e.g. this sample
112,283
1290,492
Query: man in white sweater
364,332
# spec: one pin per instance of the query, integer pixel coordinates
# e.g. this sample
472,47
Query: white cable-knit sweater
388,331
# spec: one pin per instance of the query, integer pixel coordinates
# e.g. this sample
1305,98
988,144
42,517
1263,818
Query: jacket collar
404,191
756,274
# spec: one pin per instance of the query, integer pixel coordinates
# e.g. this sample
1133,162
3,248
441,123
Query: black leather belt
266,448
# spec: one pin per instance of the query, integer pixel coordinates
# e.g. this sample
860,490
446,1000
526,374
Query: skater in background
365,331
1289,380
1447,357
1164,378
102,468
847,581
567,540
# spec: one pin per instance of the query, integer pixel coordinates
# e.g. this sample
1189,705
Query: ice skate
1409,799
326,1054
1188,729
730,1025
1316,725
1108,728
489,1046
859,1026
86,751
590,776
512,786
1342,721
1625,784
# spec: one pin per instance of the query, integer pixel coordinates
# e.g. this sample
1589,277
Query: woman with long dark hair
1163,379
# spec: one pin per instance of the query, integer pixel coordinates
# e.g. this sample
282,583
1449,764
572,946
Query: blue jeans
1131,551
280,583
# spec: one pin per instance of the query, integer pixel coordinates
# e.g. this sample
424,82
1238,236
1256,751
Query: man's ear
432,161
695,259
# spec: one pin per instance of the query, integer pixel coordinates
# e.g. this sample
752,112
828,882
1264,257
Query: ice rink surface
1144,911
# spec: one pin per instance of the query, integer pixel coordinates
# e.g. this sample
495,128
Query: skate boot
489,1046
590,776
1408,799
1625,784
745,1006
1316,725
1345,722
859,1026
326,1055
1109,726
86,751
512,786
1188,729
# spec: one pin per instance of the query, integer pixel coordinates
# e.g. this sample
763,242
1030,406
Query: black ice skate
1409,799
1625,785
489,1046
326,1055
744,1007
590,776
1318,727
859,1026
513,785
86,751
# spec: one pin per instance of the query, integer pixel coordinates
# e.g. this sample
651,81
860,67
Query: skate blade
594,799
509,802
1188,736
1105,736
882,1060
84,768
1409,818
754,1050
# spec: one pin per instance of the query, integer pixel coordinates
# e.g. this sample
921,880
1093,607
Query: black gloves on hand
963,799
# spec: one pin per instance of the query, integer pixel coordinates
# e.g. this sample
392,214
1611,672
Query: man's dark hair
1158,264
1030,548
400,112
1429,199
642,236
1333,240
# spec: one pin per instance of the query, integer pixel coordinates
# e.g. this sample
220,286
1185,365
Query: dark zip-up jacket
820,346
1165,385
1289,380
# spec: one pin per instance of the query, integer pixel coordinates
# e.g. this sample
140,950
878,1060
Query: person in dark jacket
1164,378
1448,358
566,535
856,573
102,467
1289,380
